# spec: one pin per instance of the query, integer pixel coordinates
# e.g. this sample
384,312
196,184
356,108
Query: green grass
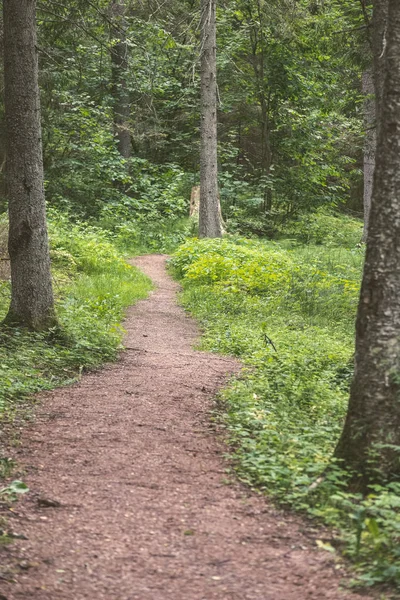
93,286
288,310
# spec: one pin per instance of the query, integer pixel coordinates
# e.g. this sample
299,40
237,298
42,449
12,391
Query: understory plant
93,284
287,310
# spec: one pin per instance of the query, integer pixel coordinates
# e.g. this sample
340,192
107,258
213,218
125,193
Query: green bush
87,247
153,215
247,271
324,228
317,286
93,285
290,317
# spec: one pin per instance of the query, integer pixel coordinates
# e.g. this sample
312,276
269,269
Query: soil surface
130,499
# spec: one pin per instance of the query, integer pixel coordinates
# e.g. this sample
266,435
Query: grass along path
93,285
287,310
129,493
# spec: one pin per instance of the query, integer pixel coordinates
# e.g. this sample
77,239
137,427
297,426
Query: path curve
145,513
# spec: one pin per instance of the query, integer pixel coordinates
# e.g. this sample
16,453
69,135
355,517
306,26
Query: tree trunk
379,48
119,88
368,89
264,99
2,124
370,442
210,224
194,201
32,302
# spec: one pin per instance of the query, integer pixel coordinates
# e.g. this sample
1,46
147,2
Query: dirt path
144,511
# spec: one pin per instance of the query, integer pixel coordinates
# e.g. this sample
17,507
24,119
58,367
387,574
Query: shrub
285,413
327,229
93,286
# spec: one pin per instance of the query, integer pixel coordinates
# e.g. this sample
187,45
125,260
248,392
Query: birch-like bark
379,46
210,221
32,302
370,441
368,89
119,71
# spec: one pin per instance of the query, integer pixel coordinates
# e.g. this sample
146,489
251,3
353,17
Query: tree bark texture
370,441
379,48
368,89
210,224
119,70
259,54
194,201
32,302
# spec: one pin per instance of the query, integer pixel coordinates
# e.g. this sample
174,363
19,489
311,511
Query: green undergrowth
323,228
93,285
154,236
288,312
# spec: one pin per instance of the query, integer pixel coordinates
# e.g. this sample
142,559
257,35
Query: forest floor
129,495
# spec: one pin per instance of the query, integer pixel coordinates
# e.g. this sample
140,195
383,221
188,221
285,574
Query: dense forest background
290,109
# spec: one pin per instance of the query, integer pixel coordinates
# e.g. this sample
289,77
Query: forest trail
145,513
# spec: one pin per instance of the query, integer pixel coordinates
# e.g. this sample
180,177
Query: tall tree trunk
379,48
210,222
119,70
31,296
371,437
264,99
368,89
2,123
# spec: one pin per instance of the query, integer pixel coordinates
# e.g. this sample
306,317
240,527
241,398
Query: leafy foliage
324,228
292,324
13,490
290,108
93,285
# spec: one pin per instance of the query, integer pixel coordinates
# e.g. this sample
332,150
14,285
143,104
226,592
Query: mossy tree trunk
370,443
32,303
210,221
